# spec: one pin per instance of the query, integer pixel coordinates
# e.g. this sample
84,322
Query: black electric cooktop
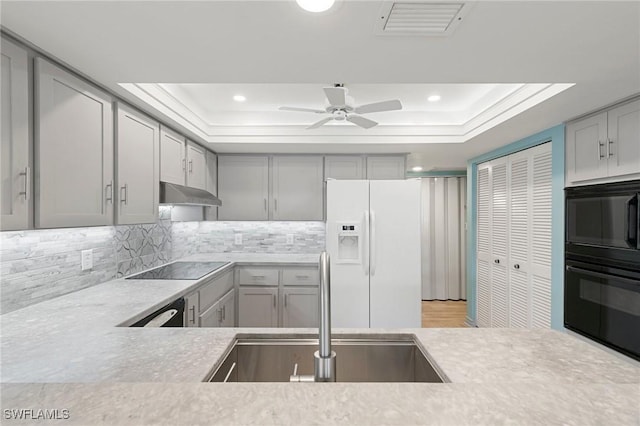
179,271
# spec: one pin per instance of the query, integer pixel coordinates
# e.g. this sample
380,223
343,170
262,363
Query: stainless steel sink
357,360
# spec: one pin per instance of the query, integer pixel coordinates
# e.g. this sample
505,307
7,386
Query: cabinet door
192,312
344,167
297,188
300,307
499,244
258,307
586,150
138,167
74,151
243,187
624,139
520,239
212,317
484,247
173,160
211,213
228,306
386,167
196,166
15,187
541,187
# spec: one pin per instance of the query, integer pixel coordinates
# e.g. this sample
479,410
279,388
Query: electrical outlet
289,239
237,240
87,259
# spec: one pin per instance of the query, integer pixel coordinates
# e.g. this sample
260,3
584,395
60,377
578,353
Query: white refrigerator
373,239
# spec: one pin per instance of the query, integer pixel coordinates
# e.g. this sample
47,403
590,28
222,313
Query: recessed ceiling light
315,5
434,98
416,169
239,98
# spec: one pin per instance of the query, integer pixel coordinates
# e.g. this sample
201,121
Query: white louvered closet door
484,246
514,240
541,237
499,244
520,237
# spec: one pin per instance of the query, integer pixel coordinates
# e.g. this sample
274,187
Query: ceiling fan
341,108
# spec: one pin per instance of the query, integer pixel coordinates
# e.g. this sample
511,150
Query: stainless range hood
179,195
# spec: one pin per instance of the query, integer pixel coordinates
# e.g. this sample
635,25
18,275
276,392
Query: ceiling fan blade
317,111
336,95
320,123
365,123
379,107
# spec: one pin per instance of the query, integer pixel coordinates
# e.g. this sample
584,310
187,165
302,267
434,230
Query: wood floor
444,314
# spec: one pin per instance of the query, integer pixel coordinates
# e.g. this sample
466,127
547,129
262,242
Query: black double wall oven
602,258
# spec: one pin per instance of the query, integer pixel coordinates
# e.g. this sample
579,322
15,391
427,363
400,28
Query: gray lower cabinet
300,307
73,150
137,167
16,201
221,314
258,307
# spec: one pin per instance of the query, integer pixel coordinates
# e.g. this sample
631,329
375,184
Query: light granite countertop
68,353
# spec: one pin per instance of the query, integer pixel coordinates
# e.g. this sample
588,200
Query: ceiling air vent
420,18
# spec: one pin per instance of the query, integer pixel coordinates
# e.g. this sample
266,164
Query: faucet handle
295,369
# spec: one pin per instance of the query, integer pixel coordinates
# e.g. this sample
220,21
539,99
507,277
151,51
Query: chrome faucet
324,358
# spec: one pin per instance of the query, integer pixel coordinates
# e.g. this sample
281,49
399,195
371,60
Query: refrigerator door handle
365,243
372,256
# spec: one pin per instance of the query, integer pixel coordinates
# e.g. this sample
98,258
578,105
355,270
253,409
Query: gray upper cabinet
386,167
297,188
211,213
604,147
196,166
243,187
344,167
138,167
16,185
73,151
173,157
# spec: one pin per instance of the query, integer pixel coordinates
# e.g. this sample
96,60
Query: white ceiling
256,44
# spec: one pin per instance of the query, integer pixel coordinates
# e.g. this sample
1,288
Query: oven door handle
602,275
631,223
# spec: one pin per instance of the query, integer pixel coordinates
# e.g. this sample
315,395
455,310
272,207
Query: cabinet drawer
210,293
300,276
258,276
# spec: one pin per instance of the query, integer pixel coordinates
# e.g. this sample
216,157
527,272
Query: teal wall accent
555,135
437,173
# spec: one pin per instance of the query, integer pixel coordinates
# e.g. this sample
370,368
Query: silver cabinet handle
257,277
274,300
219,311
193,314
275,204
286,296
109,192
516,266
609,151
265,204
496,261
124,198
600,146
190,166
184,164
302,276
27,183
224,312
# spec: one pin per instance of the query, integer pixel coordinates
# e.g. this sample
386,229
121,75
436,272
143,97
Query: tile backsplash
42,264
257,237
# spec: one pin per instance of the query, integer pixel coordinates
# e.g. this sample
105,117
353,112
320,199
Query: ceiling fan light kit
340,109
